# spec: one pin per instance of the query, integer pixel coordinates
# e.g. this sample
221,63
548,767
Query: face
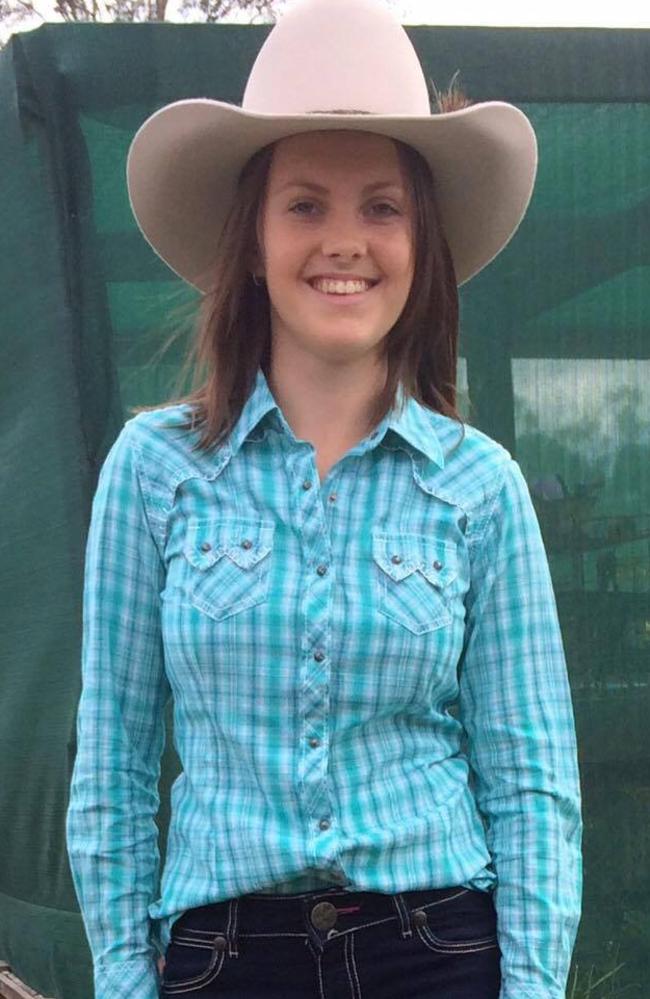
357,224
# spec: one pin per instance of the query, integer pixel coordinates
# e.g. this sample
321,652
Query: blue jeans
334,944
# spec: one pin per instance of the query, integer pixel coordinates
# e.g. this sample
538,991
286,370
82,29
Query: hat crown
337,55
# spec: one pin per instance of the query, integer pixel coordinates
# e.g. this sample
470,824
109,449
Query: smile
342,297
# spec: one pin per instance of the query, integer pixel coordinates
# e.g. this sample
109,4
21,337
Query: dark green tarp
555,359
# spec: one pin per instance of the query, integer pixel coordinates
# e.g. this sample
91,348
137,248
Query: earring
256,281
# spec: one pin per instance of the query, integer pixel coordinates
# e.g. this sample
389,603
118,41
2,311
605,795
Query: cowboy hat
329,64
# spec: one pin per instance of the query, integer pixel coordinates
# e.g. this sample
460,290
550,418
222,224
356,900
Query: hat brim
184,162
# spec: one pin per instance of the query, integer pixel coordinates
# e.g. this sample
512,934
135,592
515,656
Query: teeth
341,287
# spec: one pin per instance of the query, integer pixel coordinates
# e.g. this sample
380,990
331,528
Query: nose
344,238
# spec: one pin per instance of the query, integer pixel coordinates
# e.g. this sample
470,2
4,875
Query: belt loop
403,915
233,928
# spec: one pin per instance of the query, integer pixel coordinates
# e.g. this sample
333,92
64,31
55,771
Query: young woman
317,561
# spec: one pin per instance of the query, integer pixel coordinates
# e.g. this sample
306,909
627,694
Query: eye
300,204
385,204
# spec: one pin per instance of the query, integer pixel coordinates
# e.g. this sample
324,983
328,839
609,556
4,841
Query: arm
515,705
112,837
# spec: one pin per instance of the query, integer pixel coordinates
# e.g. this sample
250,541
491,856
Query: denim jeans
335,944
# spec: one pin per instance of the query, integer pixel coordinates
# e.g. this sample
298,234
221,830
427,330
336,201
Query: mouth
342,291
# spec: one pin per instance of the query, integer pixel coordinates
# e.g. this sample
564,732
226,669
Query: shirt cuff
134,979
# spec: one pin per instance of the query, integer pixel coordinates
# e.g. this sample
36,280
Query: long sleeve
515,705
111,833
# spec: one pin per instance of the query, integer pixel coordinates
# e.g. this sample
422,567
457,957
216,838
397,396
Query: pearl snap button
247,544
396,559
437,564
324,824
206,546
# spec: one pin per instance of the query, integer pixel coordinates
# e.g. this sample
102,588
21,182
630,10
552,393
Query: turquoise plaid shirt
368,681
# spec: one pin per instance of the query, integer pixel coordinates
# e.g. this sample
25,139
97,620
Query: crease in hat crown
382,77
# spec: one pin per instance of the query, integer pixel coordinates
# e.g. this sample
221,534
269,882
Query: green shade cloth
555,364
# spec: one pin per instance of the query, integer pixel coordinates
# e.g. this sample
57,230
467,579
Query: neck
327,405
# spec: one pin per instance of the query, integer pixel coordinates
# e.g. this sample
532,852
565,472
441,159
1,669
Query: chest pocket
228,564
412,574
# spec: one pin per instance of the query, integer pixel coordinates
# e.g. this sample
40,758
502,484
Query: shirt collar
415,425
410,421
260,402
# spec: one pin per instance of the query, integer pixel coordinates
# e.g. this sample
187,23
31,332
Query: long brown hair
233,336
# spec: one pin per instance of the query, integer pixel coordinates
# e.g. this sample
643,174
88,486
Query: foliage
602,983
15,14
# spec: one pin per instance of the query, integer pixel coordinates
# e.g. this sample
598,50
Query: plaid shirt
368,680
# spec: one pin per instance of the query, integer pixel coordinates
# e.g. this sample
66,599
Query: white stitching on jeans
346,947
197,944
491,939
441,901
356,991
190,929
450,950
321,990
274,935
231,903
364,926
339,933
206,978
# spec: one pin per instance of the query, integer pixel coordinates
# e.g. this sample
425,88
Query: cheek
399,253
278,244
403,269
284,258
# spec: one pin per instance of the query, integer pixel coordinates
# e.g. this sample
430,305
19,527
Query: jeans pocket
194,958
463,924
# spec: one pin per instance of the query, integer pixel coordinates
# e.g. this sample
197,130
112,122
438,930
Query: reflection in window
583,441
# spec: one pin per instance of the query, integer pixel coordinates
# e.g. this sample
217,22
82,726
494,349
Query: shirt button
396,559
247,544
314,742
324,824
332,497
437,564
306,484
321,570
206,546
319,655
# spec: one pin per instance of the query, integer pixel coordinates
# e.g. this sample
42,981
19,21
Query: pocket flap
401,554
243,540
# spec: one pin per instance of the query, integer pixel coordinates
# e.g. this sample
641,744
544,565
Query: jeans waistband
317,915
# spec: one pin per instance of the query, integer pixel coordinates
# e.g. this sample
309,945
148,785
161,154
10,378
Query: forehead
335,154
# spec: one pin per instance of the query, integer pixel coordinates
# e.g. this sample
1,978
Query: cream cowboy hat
348,55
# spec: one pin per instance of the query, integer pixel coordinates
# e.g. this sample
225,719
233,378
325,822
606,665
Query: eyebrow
310,185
